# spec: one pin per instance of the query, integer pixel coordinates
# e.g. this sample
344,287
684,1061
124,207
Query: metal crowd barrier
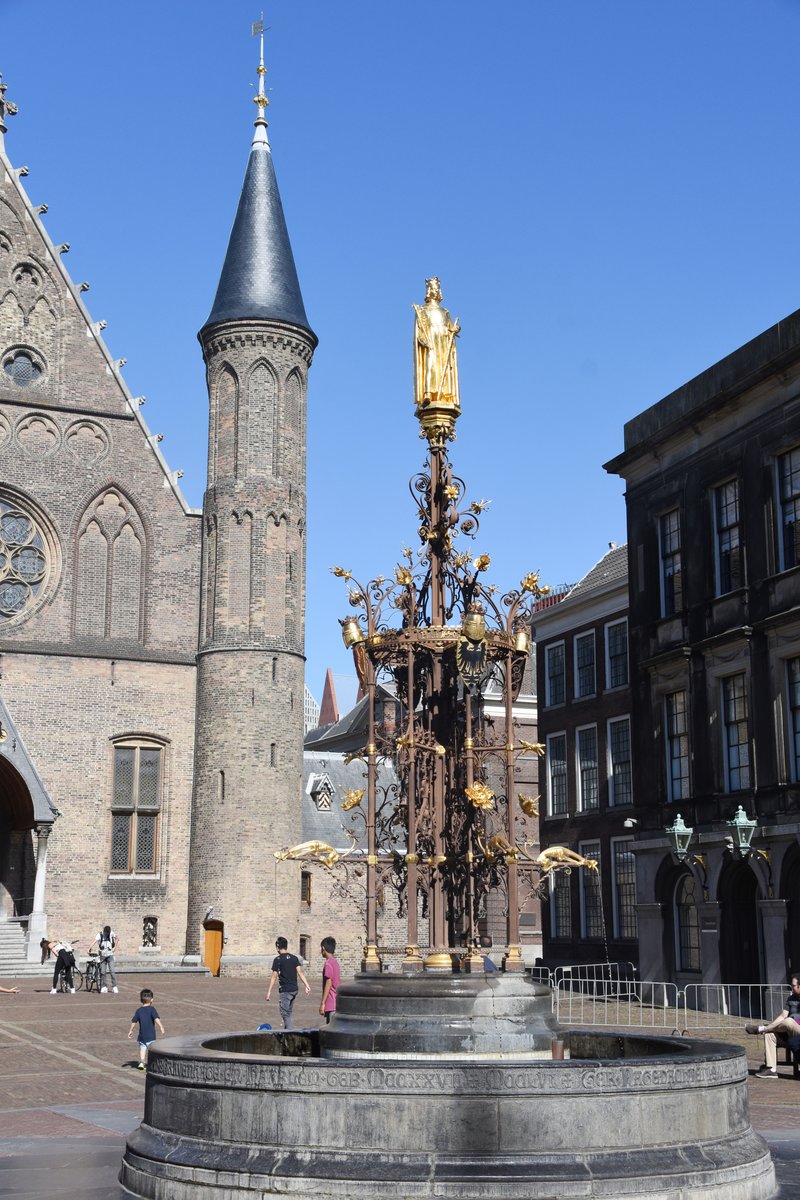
698,1008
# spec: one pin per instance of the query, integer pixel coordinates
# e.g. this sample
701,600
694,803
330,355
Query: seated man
785,1026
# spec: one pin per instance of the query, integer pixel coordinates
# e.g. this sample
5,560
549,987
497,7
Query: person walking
107,944
148,1021
286,968
331,978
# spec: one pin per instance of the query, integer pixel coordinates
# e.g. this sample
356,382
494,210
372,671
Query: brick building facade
589,777
135,632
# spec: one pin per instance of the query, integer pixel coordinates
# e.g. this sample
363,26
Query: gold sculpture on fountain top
435,367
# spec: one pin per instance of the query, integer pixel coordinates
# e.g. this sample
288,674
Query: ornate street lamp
680,835
742,832
740,843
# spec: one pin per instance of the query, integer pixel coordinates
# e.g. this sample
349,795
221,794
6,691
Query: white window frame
783,565
566,886
579,799
615,891
726,725
549,702
719,530
612,791
590,849
793,734
582,637
668,739
613,687
662,575
549,765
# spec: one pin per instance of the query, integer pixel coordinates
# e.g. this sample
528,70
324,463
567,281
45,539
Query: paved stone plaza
70,1091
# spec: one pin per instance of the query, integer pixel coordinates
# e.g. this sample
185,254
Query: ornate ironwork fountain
437,634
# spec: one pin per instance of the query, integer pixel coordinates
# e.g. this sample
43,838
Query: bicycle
93,975
77,980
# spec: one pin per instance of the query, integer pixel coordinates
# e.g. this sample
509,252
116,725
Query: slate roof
350,731
325,825
259,278
23,780
612,568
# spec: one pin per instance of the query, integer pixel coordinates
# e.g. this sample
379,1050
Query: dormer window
320,789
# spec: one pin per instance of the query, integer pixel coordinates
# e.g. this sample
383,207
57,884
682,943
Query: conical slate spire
259,278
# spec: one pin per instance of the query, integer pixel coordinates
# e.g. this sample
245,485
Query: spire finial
261,99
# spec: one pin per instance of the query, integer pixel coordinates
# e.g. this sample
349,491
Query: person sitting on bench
786,1026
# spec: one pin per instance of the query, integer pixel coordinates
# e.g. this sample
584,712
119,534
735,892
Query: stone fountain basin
246,1114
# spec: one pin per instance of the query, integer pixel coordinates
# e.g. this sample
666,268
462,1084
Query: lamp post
680,835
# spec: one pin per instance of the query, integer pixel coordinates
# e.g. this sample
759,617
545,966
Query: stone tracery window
22,368
24,560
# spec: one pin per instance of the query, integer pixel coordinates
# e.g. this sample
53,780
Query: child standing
331,978
147,1019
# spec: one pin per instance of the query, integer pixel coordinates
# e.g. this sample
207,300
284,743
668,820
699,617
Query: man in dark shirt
286,968
787,1025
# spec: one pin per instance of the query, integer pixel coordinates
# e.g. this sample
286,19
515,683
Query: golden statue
435,366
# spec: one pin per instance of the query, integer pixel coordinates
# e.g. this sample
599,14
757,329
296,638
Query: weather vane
261,99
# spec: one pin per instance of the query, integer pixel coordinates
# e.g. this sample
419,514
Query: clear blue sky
608,191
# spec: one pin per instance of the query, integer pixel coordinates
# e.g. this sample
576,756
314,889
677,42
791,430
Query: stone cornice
256,335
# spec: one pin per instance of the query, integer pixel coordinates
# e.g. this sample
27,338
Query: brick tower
257,345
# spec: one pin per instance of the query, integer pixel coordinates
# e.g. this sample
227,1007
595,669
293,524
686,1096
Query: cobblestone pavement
70,1091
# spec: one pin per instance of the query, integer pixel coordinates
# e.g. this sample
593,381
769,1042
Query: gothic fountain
441,1080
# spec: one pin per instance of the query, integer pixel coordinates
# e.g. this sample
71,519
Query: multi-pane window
737,743
586,752
789,494
677,746
687,920
585,676
726,524
669,528
617,654
305,887
793,682
561,906
136,808
591,899
623,878
557,773
555,676
619,761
